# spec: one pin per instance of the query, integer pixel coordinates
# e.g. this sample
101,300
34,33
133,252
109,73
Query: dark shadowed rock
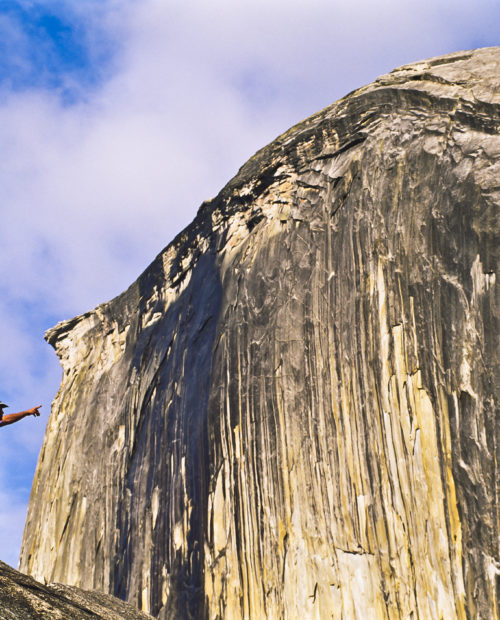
23,598
293,411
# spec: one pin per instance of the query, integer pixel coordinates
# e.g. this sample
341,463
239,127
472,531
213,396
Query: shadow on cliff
164,499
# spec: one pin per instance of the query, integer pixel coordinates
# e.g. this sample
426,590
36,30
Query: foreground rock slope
292,412
23,598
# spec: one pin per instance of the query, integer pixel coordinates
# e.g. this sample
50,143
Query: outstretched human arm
10,418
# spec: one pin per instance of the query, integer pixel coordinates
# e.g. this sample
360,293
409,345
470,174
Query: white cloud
91,192
12,515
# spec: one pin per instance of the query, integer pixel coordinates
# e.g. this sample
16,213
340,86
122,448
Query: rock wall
293,411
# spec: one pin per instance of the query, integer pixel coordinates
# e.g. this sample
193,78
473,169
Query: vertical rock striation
293,411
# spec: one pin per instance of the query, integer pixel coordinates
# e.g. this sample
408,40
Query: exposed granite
23,598
293,411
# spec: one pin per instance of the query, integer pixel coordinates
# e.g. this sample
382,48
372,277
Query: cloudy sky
119,117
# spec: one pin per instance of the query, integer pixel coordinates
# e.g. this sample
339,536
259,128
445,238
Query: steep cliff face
292,412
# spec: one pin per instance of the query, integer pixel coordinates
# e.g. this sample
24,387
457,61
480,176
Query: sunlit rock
291,413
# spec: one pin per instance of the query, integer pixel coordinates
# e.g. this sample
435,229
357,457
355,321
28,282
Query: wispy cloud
51,45
118,117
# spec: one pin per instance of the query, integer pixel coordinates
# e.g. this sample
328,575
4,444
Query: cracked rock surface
23,598
292,413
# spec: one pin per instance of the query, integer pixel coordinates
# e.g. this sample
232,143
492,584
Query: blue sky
119,117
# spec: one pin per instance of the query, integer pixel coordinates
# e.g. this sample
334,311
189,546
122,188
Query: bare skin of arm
10,418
